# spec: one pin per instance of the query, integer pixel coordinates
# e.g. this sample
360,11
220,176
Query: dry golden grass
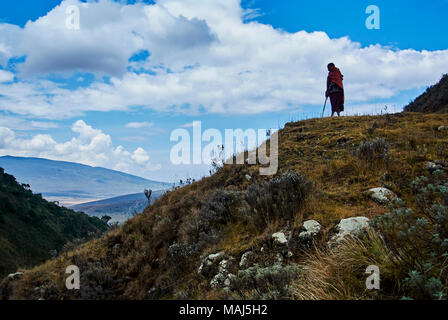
322,150
339,273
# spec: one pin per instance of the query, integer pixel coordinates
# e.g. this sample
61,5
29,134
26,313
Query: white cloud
6,76
6,136
91,146
139,125
9,35
140,156
233,67
109,34
17,123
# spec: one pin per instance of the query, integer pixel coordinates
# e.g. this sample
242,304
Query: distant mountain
71,183
31,228
118,208
434,100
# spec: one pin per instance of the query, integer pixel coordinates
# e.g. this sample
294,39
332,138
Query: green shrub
281,197
419,238
372,150
216,212
264,283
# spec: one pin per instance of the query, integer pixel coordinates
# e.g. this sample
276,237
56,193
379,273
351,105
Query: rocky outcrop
382,195
349,227
279,239
312,229
246,260
210,260
15,276
432,166
278,259
223,278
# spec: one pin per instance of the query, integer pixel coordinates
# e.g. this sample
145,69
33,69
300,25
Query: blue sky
110,93
404,23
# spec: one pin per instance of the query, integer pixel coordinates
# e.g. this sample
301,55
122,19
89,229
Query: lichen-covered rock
382,195
441,163
432,166
229,279
350,227
209,260
279,238
15,276
278,259
223,277
246,260
312,228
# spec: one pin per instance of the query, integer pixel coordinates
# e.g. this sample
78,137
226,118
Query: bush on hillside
216,212
264,283
180,255
418,238
281,197
372,150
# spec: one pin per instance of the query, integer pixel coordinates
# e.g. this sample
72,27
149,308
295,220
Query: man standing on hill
335,89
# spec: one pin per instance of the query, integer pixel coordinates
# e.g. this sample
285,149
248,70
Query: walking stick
324,106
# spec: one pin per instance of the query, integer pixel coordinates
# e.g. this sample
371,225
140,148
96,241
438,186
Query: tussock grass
339,274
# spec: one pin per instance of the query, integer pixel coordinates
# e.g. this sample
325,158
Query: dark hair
331,65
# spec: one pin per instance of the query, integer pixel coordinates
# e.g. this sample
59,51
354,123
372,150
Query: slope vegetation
214,238
32,228
434,100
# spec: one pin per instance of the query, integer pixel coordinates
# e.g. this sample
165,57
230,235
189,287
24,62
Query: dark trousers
337,101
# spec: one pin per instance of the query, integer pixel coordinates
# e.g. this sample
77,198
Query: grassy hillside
325,167
435,99
31,228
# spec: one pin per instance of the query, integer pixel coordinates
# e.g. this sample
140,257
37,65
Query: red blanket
336,77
